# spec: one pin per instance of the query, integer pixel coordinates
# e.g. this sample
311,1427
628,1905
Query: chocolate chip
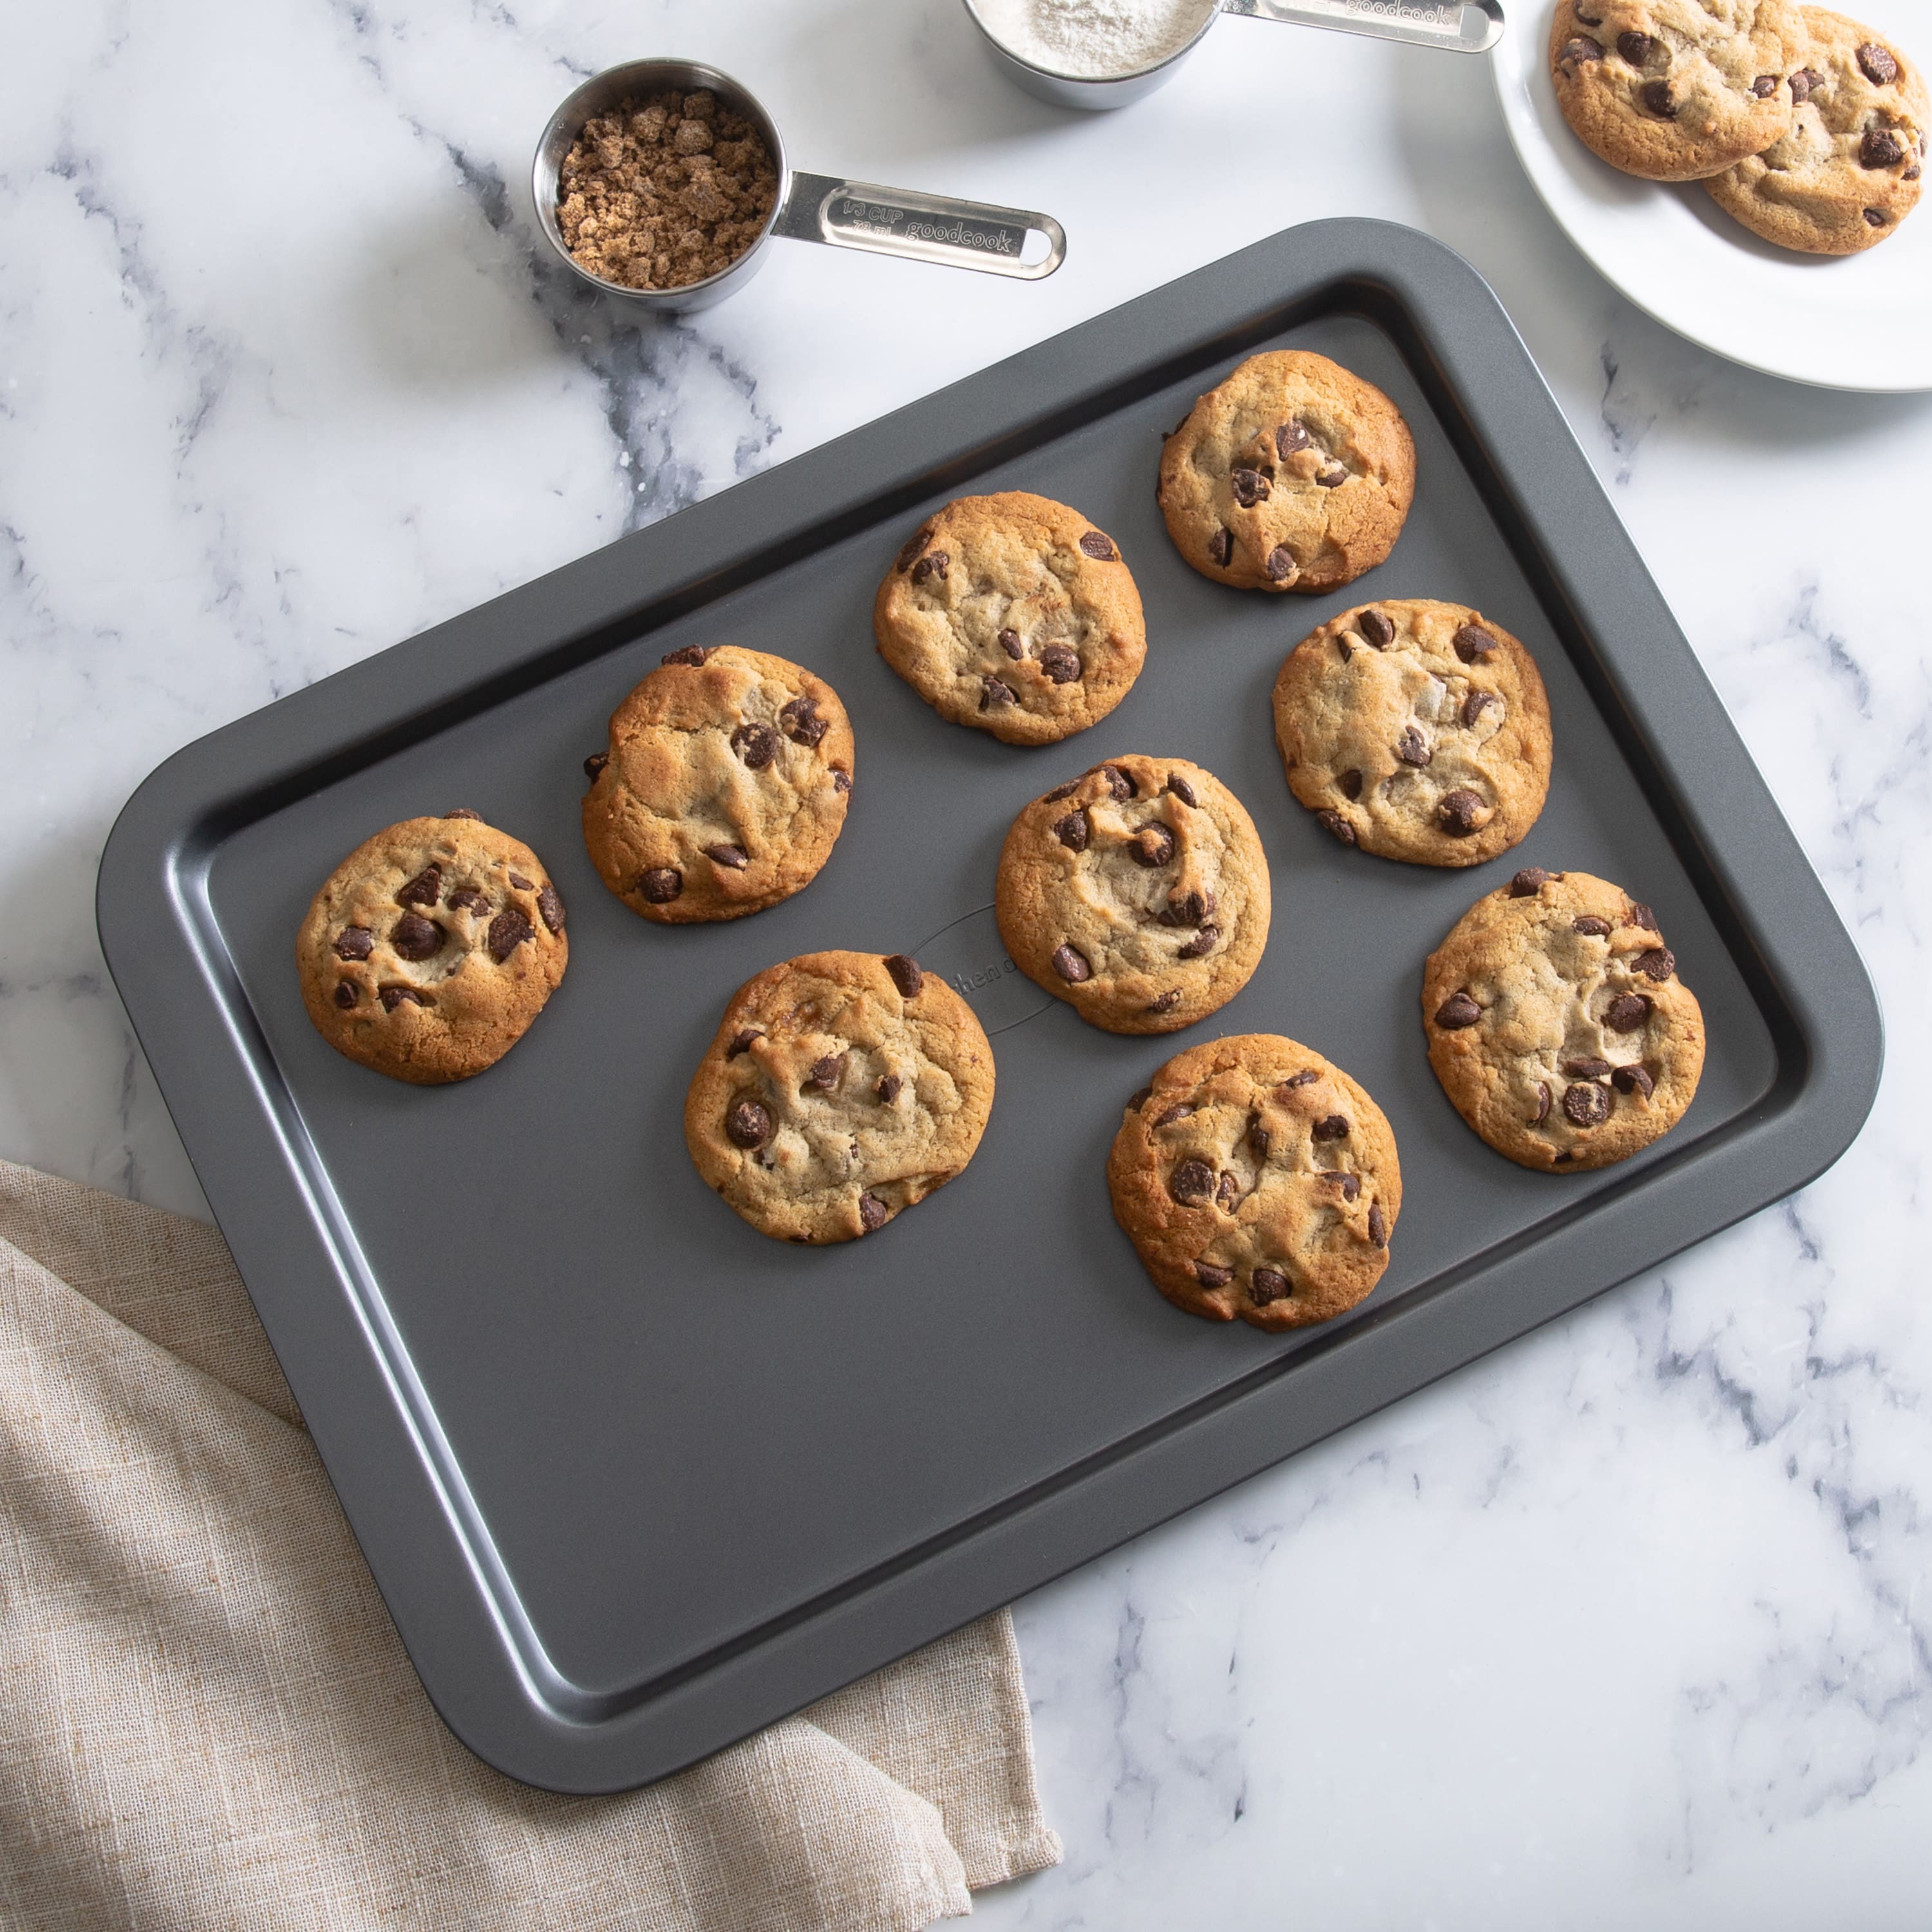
1876,64
393,997
1306,1078
841,781
1330,1127
741,1041
1060,662
347,993
1656,97
1009,643
1209,1276
1557,1160
1259,1139
522,884
1596,928
593,765
993,694
1062,791
1288,437
1634,47
1912,172
1765,86
467,898
1459,1009
1221,548
1166,1002
1203,943
1876,217
909,554
1458,812
1073,831
1332,476
1334,823
1267,1284
1633,1080
1880,148
887,1087
1281,567
1180,1111
1250,486
1528,883
1412,747
1659,963
464,812
693,655
1377,1225
662,884
1191,1184
826,1073
551,907
747,1124
873,1213
1579,49
1349,1186
1803,83
1071,966
935,563
1589,19
905,974
1228,1192
1190,908
756,745
1349,784
1475,704
1542,1104
1471,641
354,942
1151,845
1377,628
1180,788
801,722
734,857
1101,548
508,930
1586,1068
413,937
1639,915
424,889
1588,1106
1136,1102
1121,782
1626,1012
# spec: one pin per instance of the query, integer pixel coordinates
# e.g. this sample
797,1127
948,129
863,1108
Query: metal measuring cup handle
1457,26
921,227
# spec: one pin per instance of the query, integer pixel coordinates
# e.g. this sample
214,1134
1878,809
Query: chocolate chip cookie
1675,90
1557,1023
1416,729
1850,167
1012,613
1257,1179
1138,894
842,1087
431,948
1293,474
725,787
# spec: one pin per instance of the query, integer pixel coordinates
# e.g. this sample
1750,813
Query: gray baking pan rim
460,1621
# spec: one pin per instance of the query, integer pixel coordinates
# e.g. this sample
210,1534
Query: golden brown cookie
1138,894
1558,1025
1257,1179
431,948
1850,167
1294,474
725,787
1675,90
1013,613
1416,729
840,1087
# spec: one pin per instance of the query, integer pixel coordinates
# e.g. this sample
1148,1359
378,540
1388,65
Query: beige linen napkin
207,1720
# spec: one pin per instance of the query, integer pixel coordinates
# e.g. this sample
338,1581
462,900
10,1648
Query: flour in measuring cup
1093,40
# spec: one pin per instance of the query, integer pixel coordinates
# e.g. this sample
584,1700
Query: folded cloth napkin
207,1719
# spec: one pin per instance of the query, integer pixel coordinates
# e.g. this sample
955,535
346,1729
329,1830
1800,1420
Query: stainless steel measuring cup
1456,26
808,207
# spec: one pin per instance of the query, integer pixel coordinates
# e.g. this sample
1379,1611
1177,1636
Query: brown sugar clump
662,193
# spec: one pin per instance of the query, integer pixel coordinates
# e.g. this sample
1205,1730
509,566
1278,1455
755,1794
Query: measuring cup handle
923,227
1458,26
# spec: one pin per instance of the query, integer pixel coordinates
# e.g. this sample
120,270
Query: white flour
1093,40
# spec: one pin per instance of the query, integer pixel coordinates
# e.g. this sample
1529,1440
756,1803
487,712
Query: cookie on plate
1675,90
840,1087
1257,1179
1850,167
1416,729
1294,474
725,787
1011,613
1558,1025
1138,894
431,949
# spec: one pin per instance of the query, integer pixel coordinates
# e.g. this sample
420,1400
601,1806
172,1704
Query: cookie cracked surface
1256,1180
1675,90
1416,729
1012,613
840,1087
1137,893
1851,166
1293,474
1557,1023
725,787
431,948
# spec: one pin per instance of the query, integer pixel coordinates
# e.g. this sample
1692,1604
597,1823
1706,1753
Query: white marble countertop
1630,1625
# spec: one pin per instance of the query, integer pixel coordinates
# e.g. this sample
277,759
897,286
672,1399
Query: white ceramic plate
1856,322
